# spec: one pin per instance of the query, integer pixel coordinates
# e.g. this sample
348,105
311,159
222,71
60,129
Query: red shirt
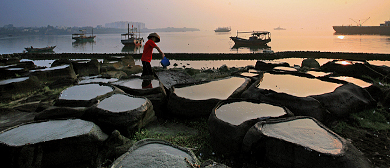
148,50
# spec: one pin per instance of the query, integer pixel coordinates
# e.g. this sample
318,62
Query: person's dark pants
147,69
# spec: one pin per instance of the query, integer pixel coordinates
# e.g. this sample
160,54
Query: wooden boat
256,38
131,38
80,37
223,29
45,49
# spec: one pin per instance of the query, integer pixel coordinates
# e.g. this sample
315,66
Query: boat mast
359,24
128,30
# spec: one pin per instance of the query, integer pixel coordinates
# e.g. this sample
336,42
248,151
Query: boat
382,29
223,29
256,38
81,37
45,49
279,28
131,38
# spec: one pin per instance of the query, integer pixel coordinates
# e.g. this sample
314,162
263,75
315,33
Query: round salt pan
8,81
296,86
317,74
46,131
285,68
84,92
137,83
121,103
220,89
306,133
155,155
51,68
353,80
237,112
247,74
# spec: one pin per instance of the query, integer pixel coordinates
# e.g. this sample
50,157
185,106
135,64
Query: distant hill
51,30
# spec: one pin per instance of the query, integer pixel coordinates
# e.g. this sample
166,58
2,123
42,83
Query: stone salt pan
220,89
85,92
238,112
47,131
121,103
305,132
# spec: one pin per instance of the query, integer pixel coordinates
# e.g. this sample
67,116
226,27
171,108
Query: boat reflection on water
222,33
83,44
131,49
48,49
253,48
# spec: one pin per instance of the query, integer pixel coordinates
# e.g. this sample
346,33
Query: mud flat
222,114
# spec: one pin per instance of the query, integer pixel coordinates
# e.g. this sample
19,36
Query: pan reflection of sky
136,83
238,112
353,80
84,92
220,89
296,86
305,132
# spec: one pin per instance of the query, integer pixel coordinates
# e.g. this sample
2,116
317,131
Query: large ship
223,29
382,29
279,28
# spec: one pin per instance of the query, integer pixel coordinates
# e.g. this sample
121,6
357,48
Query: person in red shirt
153,38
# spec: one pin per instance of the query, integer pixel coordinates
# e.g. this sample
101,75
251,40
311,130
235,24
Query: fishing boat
382,29
131,38
256,38
81,37
45,49
223,29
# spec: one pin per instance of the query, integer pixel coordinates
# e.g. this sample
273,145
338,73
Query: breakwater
208,56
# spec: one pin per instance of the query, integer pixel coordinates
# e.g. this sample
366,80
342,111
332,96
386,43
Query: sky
201,14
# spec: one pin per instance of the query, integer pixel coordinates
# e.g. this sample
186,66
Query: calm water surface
208,42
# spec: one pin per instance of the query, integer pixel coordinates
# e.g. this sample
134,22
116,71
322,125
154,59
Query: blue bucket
165,62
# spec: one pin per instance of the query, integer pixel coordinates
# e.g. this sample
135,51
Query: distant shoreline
50,30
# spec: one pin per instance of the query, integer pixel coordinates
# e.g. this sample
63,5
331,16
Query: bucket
165,62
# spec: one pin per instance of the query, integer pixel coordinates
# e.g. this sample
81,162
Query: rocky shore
210,56
90,113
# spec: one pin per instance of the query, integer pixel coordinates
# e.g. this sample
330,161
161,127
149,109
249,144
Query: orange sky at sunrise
202,14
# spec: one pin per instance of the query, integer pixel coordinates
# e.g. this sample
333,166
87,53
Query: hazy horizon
204,15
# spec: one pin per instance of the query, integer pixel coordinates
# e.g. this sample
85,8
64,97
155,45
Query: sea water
207,41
